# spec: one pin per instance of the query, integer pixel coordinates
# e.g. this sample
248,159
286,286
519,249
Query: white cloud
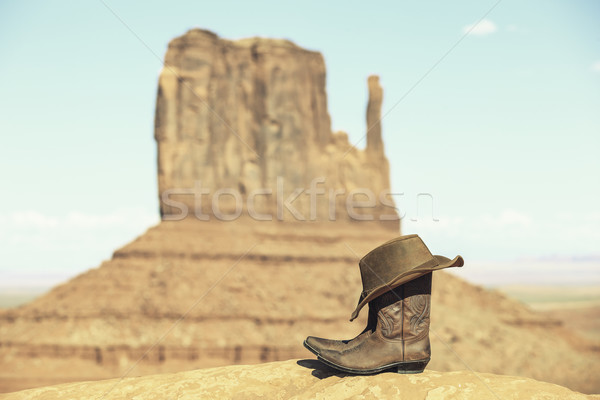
33,219
481,28
596,66
507,218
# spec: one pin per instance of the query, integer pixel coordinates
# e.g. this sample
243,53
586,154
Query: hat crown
395,263
381,265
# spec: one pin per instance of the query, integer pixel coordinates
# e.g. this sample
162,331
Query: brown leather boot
396,279
400,339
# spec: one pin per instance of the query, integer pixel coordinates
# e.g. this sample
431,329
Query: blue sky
504,132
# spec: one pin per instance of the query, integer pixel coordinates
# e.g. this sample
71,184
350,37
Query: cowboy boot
400,340
389,273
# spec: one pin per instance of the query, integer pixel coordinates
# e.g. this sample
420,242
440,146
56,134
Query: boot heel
412,367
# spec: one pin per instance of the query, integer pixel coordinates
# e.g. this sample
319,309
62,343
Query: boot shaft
403,313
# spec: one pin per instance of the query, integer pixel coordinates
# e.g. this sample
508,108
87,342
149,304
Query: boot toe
317,344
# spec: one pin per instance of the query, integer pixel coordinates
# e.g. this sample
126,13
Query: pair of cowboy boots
397,287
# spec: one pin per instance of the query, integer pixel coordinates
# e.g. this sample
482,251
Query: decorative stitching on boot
418,308
387,325
391,321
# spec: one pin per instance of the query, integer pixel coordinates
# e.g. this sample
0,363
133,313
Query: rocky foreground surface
304,379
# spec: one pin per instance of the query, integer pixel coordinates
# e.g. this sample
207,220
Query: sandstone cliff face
246,122
305,379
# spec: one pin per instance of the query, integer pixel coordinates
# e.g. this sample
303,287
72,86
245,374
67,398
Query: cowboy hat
396,262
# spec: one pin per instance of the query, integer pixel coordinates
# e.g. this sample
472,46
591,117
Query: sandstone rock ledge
304,379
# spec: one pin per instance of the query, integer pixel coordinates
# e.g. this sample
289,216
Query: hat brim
442,262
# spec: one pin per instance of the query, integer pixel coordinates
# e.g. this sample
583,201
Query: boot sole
401,367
